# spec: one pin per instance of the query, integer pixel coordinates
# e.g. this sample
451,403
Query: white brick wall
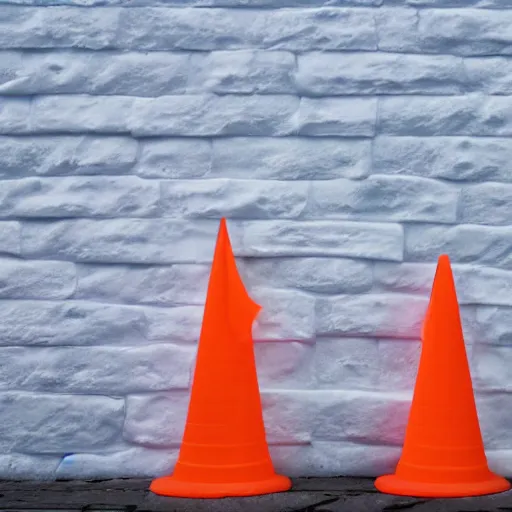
349,143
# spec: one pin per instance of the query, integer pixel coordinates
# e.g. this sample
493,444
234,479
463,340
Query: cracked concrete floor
307,495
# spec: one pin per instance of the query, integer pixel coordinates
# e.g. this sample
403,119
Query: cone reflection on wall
224,450
443,453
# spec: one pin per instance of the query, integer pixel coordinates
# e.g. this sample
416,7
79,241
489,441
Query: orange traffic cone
224,450
443,453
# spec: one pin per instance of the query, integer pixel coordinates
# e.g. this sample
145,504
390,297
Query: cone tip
444,260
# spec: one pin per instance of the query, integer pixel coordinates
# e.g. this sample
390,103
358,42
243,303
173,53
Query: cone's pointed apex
444,260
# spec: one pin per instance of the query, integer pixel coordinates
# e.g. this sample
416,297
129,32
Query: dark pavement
307,495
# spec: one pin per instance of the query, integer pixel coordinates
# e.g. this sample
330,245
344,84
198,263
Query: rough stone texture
96,369
94,196
174,158
242,72
458,159
348,142
387,198
59,423
65,156
323,238
392,315
465,243
323,117
473,114
10,238
330,74
201,115
36,279
130,74
318,275
160,286
290,158
121,240
237,199
14,115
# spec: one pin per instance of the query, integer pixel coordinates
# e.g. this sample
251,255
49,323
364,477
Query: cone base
170,486
391,484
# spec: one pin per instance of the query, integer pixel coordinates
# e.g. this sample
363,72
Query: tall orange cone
443,453
224,450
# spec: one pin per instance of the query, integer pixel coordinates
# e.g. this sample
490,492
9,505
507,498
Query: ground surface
307,495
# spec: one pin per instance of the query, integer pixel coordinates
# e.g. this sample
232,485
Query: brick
495,425
480,285
448,158
465,31
18,466
243,199
36,279
398,364
379,73
404,277
145,241
444,31
486,203
323,238
330,459
210,115
317,275
57,27
392,315
61,156
287,29
397,30
493,325
325,117
361,417
133,462
284,365
286,315
160,286
492,75
348,363
98,370
42,323
81,114
175,158
290,158
461,115
130,74
59,423
288,416
14,115
156,420
493,367
384,198
10,238
486,245
94,196
178,324
242,72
